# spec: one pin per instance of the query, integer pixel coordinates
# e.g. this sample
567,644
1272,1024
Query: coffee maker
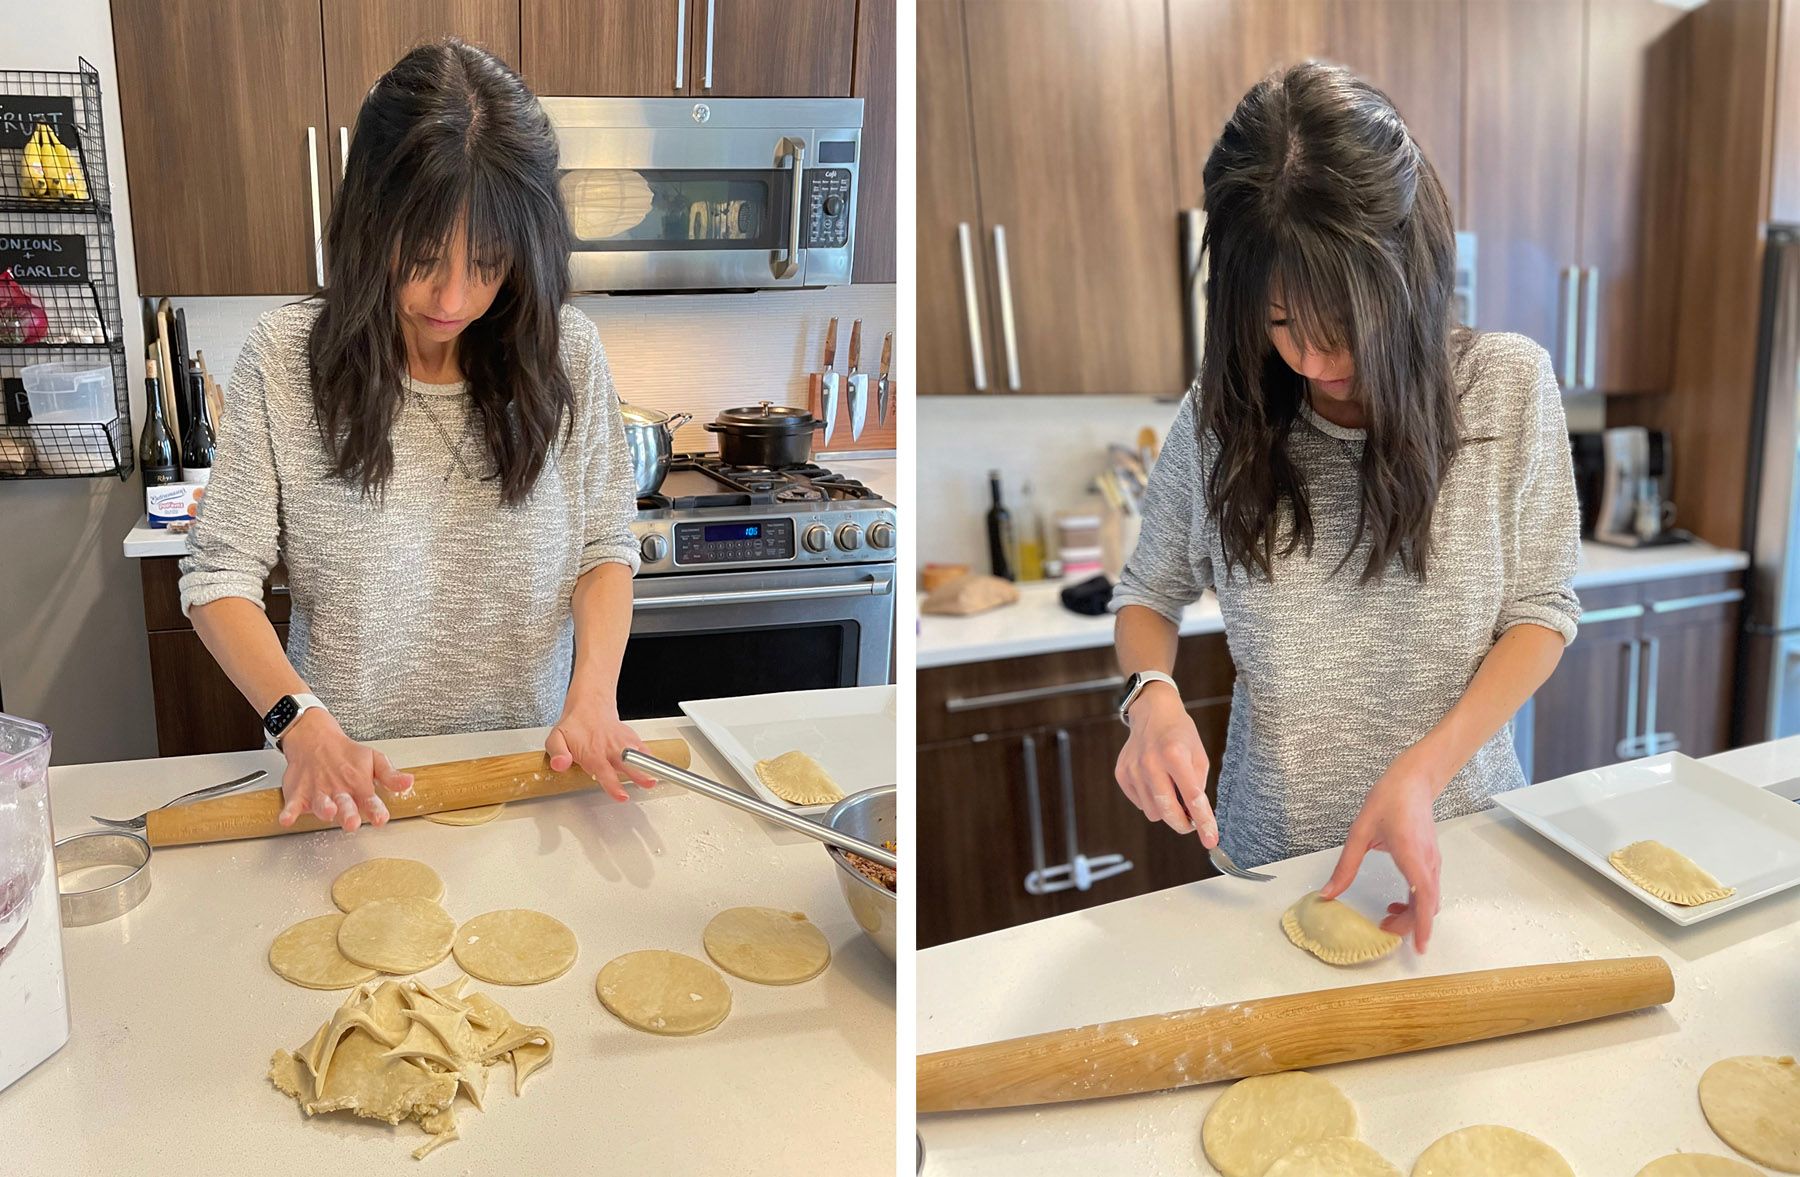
1621,479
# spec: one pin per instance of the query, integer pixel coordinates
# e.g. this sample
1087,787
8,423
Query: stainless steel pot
650,436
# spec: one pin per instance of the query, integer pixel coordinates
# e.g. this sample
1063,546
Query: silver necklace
455,448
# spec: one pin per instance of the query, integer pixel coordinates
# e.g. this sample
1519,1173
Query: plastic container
69,393
34,993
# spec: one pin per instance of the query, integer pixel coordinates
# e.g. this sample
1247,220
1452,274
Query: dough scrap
797,778
664,992
767,946
1693,1164
1668,874
359,1061
1337,1156
1261,1119
1753,1103
476,816
307,954
385,878
515,947
397,935
1487,1149
1335,932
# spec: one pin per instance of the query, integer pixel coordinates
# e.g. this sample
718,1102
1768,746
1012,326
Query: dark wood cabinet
1584,712
955,317
226,142
774,48
607,48
875,82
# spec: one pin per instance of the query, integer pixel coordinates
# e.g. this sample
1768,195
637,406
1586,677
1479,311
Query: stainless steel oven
718,194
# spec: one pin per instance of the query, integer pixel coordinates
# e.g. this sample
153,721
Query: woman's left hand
593,736
1396,817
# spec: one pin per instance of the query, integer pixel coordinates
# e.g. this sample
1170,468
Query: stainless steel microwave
720,194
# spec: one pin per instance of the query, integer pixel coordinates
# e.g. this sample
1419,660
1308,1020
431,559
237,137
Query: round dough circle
307,954
664,992
1261,1119
1753,1103
767,946
406,935
1487,1149
1694,1164
515,947
479,815
1339,1156
385,878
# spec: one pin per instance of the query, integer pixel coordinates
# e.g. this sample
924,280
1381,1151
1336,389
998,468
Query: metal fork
136,824
1223,861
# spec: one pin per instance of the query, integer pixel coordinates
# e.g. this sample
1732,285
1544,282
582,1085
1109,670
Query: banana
35,166
67,180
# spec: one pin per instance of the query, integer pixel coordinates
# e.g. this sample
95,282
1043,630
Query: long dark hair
448,136
1316,192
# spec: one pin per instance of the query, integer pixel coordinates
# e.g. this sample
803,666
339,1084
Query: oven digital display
751,542
727,532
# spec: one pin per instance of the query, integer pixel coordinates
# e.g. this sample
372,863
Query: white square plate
852,732
1745,837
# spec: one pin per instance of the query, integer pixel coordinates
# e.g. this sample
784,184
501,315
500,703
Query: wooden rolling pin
458,784
1287,1033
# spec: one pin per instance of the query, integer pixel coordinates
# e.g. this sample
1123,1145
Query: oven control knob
849,537
881,535
834,205
654,548
815,537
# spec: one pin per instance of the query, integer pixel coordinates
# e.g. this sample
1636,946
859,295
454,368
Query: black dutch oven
765,435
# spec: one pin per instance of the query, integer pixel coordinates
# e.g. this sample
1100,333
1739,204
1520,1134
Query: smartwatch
287,709
1134,686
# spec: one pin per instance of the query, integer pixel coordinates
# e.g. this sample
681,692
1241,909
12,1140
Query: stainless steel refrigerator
1770,701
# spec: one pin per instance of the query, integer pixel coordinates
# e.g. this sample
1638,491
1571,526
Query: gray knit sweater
1335,678
435,609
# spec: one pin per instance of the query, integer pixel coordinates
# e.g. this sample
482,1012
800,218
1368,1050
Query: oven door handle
794,149
872,587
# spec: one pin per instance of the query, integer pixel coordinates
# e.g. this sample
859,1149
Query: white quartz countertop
1610,1095
176,1011
878,474
1038,623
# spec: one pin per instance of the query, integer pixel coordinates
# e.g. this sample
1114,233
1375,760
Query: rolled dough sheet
1753,1103
1340,1156
385,878
307,954
664,992
1668,874
767,946
1335,932
479,815
797,778
1693,1164
1488,1149
515,947
1261,1119
399,936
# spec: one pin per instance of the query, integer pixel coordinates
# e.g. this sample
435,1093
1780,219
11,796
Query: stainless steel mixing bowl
868,815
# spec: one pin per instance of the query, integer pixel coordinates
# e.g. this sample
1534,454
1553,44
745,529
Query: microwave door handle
795,149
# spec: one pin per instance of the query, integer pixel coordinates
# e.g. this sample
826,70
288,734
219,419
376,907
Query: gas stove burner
702,481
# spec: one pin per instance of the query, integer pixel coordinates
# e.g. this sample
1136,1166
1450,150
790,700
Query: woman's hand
1163,765
333,777
1396,817
593,736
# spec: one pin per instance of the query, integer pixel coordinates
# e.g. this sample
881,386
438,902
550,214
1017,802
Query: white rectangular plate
852,732
1746,837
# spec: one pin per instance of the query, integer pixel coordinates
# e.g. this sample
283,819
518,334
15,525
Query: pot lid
767,416
637,415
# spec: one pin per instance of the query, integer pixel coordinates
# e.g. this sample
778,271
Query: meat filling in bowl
874,871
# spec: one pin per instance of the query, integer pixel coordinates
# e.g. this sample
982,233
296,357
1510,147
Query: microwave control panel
827,208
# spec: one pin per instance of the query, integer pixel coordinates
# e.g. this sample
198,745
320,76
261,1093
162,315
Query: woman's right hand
333,777
1164,764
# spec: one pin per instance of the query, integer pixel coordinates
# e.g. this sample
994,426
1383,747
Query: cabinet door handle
706,77
1631,747
1031,694
1570,334
680,43
1681,604
1037,881
971,299
343,152
1084,872
1194,225
312,168
1616,613
1592,315
1655,741
1008,334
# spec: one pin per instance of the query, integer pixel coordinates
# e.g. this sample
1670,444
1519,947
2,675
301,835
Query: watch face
281,715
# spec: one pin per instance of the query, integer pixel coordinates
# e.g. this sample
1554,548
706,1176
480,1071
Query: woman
433,446
1382,502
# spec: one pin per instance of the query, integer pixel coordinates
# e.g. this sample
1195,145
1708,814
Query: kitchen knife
859,383
830,384
457,784
883,389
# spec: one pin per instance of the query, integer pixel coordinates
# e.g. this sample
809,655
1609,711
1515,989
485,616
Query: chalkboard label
21,113
44,259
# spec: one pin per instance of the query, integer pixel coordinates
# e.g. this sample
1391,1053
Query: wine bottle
157,450
198,447
1000,533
